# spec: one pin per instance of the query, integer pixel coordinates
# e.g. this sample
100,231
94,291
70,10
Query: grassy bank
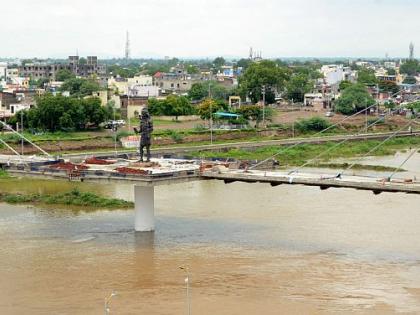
72,198
4,174
366,167
304,152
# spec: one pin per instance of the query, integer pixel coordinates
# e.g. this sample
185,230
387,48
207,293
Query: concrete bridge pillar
144,199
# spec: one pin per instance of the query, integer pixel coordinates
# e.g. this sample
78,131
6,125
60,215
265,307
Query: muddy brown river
250,249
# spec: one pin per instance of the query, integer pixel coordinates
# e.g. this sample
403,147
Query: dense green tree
354,99
64,75
79,87
193,69
388,86
219,62
389,105
54,113
366,76
391,71
244,63
264,73
128,71
171,106
298,86
201,90
198,91
410,80
410,67
415,106
344,85
210,106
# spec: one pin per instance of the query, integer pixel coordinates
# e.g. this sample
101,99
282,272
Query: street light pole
211,115
263,94
21,128
107,301
187,287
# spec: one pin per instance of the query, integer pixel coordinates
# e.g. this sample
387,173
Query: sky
209,28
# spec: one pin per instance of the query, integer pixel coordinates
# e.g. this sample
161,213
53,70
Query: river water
250,249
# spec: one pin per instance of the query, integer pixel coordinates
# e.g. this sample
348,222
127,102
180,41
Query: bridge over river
145,176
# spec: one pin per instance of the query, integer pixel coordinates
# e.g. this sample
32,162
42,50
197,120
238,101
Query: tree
410,80
243,63
388,86
80,87
64,75
391,71
172,106
298,86
410,67
389,105
354,99
54,113
219,62
208,107
264,73
200,91
366,76
192,69
125,72
344,85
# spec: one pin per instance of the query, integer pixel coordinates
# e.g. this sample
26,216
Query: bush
176,136
312,124
122,134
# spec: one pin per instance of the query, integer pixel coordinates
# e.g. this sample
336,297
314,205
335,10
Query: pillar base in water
144,199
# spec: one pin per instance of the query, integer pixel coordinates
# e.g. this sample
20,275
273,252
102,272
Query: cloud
209,27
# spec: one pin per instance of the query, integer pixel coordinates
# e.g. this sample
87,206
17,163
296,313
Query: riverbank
75,197
302,153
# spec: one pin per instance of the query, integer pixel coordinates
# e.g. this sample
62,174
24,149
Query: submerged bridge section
324,181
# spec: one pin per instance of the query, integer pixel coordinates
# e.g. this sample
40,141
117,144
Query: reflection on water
251,249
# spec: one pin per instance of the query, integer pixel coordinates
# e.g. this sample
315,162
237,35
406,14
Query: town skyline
199,29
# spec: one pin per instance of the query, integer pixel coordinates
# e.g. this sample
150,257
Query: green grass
74,197
304,152
367,167
4,174
54,136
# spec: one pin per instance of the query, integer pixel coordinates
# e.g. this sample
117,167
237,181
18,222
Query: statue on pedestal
146,129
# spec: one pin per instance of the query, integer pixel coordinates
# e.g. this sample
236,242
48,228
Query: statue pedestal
144,198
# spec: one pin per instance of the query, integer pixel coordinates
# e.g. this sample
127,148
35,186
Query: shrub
312,124
176,136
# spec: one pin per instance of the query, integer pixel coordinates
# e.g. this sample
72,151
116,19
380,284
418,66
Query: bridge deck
324,181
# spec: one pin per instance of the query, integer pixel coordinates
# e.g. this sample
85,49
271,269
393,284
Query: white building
333,74
122,85
143,80
144,91
3,71
14,108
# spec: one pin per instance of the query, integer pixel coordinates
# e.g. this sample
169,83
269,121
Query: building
131,106
13,101
333,74
144,91
74,64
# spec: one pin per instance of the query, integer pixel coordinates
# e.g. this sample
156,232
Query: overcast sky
197,28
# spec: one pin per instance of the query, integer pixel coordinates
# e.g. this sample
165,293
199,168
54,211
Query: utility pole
263,94
21,128
211,115
187,287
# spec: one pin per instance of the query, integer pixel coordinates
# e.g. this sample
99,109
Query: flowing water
250,249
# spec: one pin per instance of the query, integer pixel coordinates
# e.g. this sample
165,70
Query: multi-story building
74,64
